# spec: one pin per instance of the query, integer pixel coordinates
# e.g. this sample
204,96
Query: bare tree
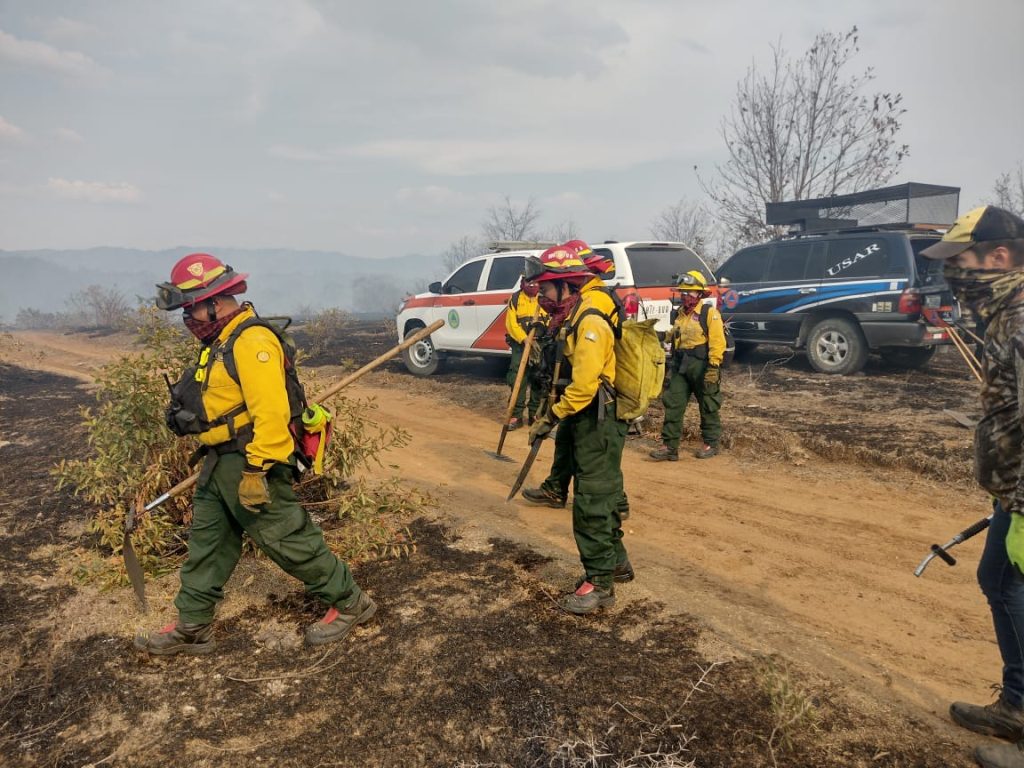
561,232
1009,190
97,307
684,222
804,129
459,252
508,221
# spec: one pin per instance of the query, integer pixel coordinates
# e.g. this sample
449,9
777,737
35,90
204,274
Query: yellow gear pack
639,360
639,368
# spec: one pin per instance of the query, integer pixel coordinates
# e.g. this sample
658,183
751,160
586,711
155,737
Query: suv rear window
654,266
929,271
505,273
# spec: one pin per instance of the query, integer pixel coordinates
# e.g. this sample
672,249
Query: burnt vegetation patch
470,663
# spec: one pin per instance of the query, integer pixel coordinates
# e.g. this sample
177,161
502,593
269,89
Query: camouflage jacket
999,437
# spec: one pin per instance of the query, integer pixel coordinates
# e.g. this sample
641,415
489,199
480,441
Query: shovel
136,510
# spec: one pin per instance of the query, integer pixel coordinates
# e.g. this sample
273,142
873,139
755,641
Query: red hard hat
561,263
581,248
197,277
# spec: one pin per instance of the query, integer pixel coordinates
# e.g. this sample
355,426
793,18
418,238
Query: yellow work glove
253,492
712,376
1015,541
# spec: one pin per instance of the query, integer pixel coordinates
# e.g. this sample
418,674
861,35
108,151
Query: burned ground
470,662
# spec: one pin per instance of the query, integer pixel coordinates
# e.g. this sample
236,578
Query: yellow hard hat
692,281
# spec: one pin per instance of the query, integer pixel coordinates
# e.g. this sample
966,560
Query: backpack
639,360
310,425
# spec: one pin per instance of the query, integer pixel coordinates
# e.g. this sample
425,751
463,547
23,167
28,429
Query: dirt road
814,562
771,547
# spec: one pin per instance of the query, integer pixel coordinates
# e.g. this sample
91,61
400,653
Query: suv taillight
910,302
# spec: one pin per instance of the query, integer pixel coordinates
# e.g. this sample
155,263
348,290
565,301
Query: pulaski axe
520,374
137,510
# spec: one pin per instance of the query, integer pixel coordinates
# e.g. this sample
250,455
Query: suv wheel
421,358
907,357
836,345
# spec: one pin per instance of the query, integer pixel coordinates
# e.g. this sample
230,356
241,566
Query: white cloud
94,191
430,195
69,135
65,30
32,53
452,157
9,131
298,154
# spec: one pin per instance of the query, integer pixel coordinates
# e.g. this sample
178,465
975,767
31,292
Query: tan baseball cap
983,224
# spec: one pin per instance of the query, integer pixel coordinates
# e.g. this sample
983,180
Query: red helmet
598,263
559,263
581,248
197,277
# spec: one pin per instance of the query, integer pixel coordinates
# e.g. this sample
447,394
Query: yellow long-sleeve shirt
518,317
688,334
259,360
590,351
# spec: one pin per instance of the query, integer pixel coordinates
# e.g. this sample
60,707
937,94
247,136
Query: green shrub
135,458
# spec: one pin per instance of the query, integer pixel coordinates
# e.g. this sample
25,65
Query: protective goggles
689,283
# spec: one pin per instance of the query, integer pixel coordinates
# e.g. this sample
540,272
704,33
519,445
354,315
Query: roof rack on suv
930,228
501,246
900,206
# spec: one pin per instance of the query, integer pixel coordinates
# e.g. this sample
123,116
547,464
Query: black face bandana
985,291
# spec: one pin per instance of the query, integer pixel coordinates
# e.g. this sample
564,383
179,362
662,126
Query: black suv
839,294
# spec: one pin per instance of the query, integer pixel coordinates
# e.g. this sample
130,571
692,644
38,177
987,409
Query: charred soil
470,661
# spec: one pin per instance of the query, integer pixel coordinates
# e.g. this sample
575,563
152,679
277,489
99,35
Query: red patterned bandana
207,332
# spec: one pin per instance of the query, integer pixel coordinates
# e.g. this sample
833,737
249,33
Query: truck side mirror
434,287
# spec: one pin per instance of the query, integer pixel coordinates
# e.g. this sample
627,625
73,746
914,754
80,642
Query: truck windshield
655,265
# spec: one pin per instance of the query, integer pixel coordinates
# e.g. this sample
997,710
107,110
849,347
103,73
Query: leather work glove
712,376
542,427
535,354
253,492
1015,541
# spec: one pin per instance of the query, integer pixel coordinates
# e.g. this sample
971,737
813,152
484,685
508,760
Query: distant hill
281,280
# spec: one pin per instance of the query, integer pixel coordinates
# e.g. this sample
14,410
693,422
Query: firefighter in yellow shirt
580,311
522,306
698,344
236,401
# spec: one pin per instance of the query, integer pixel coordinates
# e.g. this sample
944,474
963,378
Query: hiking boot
587,598
338,622
706,451
999,718
545,497
623,572
1000,755
179,637
665,454
514,424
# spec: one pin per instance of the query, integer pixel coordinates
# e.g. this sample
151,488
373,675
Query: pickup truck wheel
907,357
836,345
421,359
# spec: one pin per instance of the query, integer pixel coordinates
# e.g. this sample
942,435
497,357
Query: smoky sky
384,129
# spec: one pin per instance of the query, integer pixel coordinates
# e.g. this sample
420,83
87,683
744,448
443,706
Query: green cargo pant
687,378
594,449
529,384
560,475
282,530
